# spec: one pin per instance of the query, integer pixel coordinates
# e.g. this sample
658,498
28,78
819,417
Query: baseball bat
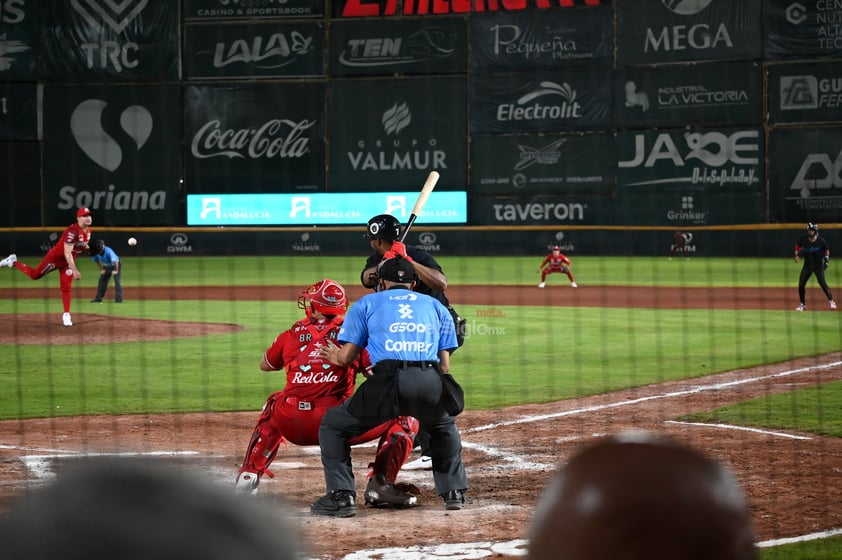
428,187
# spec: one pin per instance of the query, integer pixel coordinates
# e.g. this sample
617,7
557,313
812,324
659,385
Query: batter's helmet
385,227
325,296
812,226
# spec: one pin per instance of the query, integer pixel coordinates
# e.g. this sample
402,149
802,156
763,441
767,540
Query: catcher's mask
98,247
385,227
326,297
812,229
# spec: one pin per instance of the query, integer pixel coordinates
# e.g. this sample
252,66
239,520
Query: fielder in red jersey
313,385
62,257
555,261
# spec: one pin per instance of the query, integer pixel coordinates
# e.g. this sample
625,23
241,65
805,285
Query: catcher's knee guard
394,447
265,442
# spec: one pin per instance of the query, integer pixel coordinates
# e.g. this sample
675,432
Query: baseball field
709,351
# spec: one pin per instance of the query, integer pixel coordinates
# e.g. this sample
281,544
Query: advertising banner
570,98
388,8
18,111
685,31
204,10
540,210
20,197
254,50
388,47
443,207
114,149
702,206
110,41
389,134
535,40
803,29
18,40
542,164
804,174
254,138
702,94
805,92
727,158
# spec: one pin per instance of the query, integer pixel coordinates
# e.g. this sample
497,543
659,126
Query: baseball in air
132,241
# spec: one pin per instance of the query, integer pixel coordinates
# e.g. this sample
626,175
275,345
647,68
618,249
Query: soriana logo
381,8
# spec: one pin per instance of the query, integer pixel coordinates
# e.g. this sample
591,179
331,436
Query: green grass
268,270
815,409
824,549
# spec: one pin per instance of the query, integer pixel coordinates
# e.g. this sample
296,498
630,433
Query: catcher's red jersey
309,376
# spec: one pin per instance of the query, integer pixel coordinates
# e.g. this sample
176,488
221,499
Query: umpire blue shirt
399,324
108,257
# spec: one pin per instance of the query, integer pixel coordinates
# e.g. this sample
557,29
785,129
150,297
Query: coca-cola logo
277,138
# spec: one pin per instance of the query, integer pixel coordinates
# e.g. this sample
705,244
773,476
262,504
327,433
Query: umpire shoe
454,499
336,503
378,492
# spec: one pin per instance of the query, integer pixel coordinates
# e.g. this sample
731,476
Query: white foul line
742,428
673,394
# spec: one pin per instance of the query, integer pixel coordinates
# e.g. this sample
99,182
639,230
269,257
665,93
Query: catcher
555,261
313,386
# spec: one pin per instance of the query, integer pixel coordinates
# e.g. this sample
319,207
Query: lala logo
118,15
86,126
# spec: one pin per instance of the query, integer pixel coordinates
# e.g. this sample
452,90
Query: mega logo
538,104
699,36
380,8
706,150
401,152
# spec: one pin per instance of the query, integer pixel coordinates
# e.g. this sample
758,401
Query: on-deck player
62,257
555,261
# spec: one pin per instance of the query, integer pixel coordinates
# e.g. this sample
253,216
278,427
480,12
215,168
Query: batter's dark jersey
422,257
813,252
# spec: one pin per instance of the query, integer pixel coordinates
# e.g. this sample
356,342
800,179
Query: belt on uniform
401,364
312,403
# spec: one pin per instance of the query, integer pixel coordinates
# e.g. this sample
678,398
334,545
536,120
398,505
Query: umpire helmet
385,227
814,227
326,297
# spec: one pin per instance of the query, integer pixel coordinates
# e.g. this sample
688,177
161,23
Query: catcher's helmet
812,226
325,296
385,227
98,247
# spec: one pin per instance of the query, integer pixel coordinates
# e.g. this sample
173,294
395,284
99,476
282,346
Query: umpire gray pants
419,393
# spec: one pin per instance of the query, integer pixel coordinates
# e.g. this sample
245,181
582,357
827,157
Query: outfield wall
738,241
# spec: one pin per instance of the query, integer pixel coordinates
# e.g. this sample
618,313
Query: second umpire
409,337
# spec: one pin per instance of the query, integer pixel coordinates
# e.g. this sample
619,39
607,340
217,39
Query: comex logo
796,13
799,92
98,145
179,243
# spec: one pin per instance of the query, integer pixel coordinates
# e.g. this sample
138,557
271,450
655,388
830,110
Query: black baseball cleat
336,503
380,493
454,499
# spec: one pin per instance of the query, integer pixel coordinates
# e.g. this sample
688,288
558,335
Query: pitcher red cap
83,212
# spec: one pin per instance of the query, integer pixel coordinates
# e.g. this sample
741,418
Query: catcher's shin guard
264,444
395,447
